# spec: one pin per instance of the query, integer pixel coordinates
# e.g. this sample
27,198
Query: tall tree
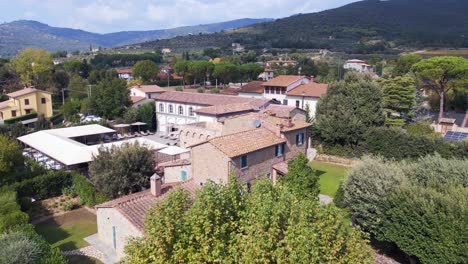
405,63
442,74
250,71
301,179
118,171
110,98
399,94
145,70
11,159
349,109
181,68
225,71
34,67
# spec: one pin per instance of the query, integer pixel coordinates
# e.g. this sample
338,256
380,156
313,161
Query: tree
226,72
34,67
301,179
399,95
442,74
349,109
18,248
78,87
405,63
227,224
95,76
181,68
60,79
145,70
42,123
250,71
70,110
11,159
118,171
110,98
200,70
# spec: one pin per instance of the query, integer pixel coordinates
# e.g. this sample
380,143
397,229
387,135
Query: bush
11,216
44,186
20,118
68,206
339,197
215,90
86,191
18,248
200,90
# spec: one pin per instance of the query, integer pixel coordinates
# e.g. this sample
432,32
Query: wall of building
292,149
106,219
137,92
174,174
208,163
238,124
251,95
311,101
259,163
191,135
35,105
166,120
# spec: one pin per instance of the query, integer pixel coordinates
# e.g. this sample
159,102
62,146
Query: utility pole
63,96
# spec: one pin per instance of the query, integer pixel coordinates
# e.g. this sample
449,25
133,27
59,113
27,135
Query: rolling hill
17,35
365,26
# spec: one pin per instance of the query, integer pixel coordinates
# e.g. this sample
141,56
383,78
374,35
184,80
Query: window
161,108
277,91
279,150
243,161
149,96
26,101
28,111
171,109
190,111
13,113
285,102
298,103
268,175
181,110
300,139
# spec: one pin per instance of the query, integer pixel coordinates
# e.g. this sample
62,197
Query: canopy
138,124
121,125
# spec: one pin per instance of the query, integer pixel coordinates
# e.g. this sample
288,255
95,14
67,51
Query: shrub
44,186
11,216
68,206
20,118
215,91
18,248
83,188
179,88
200,90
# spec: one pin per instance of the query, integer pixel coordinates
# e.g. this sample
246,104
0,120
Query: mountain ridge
19,34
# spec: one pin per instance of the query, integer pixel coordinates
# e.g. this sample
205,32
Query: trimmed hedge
20,118
56,119
44,186
83,188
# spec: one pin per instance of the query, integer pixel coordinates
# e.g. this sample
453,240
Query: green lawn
68,231
82,260
330,177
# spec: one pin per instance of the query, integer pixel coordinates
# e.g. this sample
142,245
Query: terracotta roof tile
149,88
312,89
282,167
24,91
295,124
175,163
253,87
134,206
3,104
136,99
203,99
124,71
283,111
230,91
283,80
225,109
238,144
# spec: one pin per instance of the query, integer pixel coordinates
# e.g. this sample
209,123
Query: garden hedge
83,188
20,118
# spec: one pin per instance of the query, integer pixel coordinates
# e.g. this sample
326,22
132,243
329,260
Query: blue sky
104,16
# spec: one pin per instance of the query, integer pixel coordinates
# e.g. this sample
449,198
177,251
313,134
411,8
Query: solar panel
455,136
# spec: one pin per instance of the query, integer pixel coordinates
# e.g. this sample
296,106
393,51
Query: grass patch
82,260
330,177
67,232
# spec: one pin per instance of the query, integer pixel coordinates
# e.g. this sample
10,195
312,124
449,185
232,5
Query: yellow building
26,101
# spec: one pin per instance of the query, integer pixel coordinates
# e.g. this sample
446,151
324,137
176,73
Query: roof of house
149,88
3,104
204,99
252,87
283,123
136,99
283,80
173,150
135,206
355,61
238,144
225,109
124,71
230,91
281,167
311,89
175,163
278,110
25,91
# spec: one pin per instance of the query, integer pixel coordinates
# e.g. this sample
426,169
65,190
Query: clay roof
295,124
134,206
253,87
281,167
124,71
230,91
149,88
238,144
24,91
283,80
225,109
3,104
283,111
204,99
136,99
311,89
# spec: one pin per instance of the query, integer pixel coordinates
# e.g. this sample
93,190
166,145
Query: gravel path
89,251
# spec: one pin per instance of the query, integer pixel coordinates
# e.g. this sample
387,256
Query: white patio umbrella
138,124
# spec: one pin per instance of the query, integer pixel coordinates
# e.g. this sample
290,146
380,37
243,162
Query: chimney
312,78
155,181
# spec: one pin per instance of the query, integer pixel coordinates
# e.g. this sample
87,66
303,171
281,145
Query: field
330,177
458,52
68,231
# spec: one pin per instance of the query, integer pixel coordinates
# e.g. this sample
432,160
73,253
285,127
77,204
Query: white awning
173,150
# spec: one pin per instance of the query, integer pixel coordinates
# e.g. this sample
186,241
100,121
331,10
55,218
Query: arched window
201,135
161,108
181,110
171,109
190,111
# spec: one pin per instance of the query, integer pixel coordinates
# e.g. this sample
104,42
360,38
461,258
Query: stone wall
337,160
208,163
174,173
